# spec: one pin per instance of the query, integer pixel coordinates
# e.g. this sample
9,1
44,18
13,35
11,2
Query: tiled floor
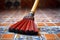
58,35
47,20
42,17
50,36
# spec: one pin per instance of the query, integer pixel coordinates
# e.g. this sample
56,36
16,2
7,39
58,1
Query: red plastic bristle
28,26
31,26
24,26
16,24
20,25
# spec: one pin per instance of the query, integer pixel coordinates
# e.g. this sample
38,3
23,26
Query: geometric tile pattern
48,22
42,17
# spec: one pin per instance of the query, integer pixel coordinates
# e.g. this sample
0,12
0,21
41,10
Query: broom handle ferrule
34,6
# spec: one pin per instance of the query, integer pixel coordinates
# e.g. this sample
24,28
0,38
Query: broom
27,25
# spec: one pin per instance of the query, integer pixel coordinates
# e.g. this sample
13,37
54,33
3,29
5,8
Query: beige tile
41,24
7,36
6,39
50,36
50,24
58,35
4,24
58,24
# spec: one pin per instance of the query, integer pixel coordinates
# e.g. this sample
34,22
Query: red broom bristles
31,26
28,25
16,24
20,25
24,26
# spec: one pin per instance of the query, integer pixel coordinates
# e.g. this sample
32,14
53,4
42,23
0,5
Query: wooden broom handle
35,6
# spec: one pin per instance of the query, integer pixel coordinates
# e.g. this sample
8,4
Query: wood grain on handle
35,6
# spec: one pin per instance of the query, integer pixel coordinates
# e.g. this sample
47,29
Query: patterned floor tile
58,24
8,36
58,35
50,36
41,24
50,24
43,18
